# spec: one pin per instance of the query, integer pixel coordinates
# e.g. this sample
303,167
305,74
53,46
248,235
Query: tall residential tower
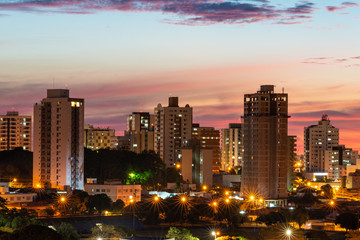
140,128
15,131
265,162
172,129
59,141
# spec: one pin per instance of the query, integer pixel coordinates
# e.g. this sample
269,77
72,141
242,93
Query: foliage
180,234
33,232
99,202
316,235
230,238
15,219
146,168
16,163
307,200
118,205
328,191
78,202
107,231
300,215
272,218
67,231
353,235
348,220
2,203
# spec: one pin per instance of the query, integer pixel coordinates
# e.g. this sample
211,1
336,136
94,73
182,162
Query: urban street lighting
288,233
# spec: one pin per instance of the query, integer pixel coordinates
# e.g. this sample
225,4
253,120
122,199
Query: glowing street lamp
14,180
204,187
252,198
227,200
156,198
215,234
63,199
288,233
178,166
183,199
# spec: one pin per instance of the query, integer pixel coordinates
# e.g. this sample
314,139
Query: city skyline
125,58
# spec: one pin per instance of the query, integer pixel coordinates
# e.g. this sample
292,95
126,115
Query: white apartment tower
172,128
232,147
318,139
59,141
15,131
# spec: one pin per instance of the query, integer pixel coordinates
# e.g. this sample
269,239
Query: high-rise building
292,160
15,131
336,160
59,141
140,128
99,138
196,163
172,128
265,164
209,138
318,139
232,147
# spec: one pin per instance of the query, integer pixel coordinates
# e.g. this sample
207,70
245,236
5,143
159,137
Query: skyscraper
59,141
209,137
265,143
232,147
140,128
15,131
318,139
172,128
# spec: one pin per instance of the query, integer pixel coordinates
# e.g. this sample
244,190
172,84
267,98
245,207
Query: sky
129,55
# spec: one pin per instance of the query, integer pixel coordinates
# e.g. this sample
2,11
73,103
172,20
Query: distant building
15,131
338,160
140,128
318,139
58,159
208,138
172,128
292,160
99,138
232,146
265,165
353,180
12,197
196,163
115,192
123,142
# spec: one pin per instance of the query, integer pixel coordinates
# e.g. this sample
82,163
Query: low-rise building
115,191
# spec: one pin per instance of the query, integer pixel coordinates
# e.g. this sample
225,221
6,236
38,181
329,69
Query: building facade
265,164
338,160
140,128
99,138
15,131
58,159
318,139
209,137
172,129
232,147
115,191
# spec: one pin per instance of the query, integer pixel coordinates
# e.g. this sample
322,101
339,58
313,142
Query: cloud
343,6
190,12
350,61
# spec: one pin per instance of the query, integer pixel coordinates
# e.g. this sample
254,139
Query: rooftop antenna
66,86
53,83
283,90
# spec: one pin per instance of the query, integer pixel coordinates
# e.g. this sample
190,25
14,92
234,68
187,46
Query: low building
99,138
227,180
13,197
116,191
353,180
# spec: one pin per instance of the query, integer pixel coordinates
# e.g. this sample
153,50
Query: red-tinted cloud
186,11
343,6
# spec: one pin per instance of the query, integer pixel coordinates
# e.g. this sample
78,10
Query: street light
288,233
215,234
252,197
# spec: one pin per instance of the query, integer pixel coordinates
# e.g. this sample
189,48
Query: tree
34,232
272,218
107,231
78,201
180,234
348,220
67,231
300,216
2,203
118,205
99,202
328,191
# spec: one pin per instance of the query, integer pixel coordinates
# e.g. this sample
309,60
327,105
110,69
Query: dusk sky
129,55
